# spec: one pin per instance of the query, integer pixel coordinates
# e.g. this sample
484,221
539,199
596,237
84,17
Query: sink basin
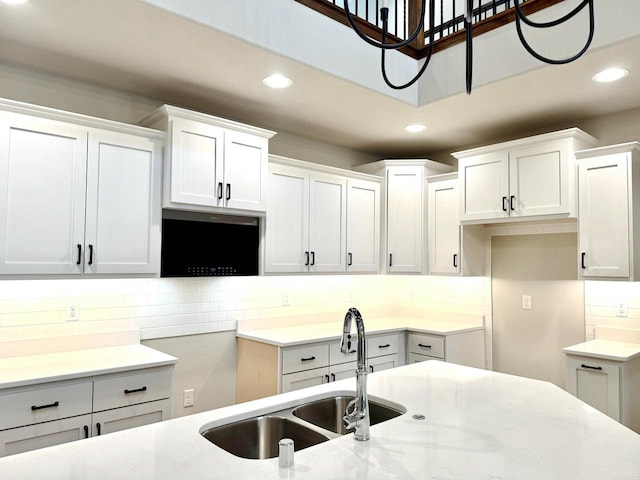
328,413
258,437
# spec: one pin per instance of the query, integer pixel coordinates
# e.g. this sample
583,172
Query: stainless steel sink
258,437
328,413
306,424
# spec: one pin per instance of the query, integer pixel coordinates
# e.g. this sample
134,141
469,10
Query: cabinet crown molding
608,150
378,168
317,167
584,139
49,113
162,113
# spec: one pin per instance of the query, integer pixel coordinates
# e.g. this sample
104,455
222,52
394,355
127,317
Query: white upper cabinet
405,218
319,220
212,164
608,224
363,226
77,199
522,179
452,248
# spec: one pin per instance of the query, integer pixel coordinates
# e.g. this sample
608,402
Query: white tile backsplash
600,299
171,307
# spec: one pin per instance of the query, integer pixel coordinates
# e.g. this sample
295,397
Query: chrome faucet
357,412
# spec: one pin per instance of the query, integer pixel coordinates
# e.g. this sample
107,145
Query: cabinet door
538,180
405,210
123,204
42,195
443,228
327,223
603,225
363,226
595,383
308,378
386,362
287,222
196,163
342,371
417,358
124,418
484,186
32,437
245,171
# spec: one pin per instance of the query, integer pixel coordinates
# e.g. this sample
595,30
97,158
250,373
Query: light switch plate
527,302
187,397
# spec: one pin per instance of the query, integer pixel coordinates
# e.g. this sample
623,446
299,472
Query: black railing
449,14
449,18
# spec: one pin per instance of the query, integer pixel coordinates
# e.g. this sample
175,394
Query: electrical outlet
187,397
527,302
350,296
285,299
73,313
621,309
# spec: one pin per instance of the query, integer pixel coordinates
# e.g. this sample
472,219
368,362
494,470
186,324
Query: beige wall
207,363
529,342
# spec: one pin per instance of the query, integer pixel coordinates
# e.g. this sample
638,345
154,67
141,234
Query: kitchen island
478,425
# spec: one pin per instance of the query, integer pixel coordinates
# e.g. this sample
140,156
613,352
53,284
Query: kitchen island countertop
479,425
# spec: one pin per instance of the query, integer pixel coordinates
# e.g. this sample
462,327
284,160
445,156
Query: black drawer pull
228,191
371,368
590,367
511,199
49,405
313,258
99,428
79,254
137,390
219,190
327,378
424,346
307,259
86,431
350,261
455,260
384,346
333,377
582,264
504,204
307,359
90,254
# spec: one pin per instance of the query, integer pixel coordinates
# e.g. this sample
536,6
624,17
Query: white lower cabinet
464,348
44,415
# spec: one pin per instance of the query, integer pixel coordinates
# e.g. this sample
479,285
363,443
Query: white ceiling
135,47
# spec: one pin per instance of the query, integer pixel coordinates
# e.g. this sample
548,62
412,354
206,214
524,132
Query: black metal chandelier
520,18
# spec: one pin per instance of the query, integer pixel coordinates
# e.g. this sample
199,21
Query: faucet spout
357,412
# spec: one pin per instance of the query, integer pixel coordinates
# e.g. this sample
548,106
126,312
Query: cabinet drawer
431,345
305,357
416,358
44,404
382,345
131,389
336,357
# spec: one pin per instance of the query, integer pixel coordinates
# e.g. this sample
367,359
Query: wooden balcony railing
404,17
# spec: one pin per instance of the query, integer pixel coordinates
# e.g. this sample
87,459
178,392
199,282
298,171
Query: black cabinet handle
350,259
511,199
99,429
333,377
504,204
371,368
455,260
41,407
590,367
422,345
219,190
384,346
307,359
79,254
391,259
228,191
582,257
86,431
137,390
313,258
306,263
327,378
90,254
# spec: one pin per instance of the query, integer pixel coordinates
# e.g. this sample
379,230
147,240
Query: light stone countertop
52,367
479,425
605,349
317,332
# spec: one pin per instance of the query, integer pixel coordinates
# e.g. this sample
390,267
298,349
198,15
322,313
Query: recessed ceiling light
277,81
610,75
415,128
